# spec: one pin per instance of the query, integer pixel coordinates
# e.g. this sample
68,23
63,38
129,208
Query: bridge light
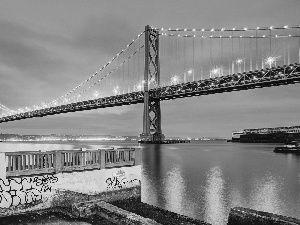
239,61
96,94
116,90
257,28
222,29
270,60
190,72
245,28
175,80
285,26
216,71
271,27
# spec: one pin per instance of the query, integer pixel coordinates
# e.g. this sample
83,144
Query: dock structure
163,141
26,163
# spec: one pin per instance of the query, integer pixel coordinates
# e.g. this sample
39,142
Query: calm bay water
204,179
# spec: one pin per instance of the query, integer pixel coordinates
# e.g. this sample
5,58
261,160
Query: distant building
267,135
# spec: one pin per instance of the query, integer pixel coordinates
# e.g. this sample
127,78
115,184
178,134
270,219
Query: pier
163,141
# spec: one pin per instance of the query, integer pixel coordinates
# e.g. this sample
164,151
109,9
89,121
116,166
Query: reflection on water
214,197
266,195
174,190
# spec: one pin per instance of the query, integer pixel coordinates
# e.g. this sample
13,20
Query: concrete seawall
30,193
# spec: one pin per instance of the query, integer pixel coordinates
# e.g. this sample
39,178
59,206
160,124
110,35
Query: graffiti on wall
118,180
25,190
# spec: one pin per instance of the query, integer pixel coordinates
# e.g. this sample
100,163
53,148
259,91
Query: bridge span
180,63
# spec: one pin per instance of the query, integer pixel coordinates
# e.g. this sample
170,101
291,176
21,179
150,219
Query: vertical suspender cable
256,62
201,57
184,54
177,54
244,56
299,47
229,59
128,78
232,59
221,61
139,55
283,48
133,62
288,48
170,55
270,42
275,49
193,70
210,53
123,71
250,39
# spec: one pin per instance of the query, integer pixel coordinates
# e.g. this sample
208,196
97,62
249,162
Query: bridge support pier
152,132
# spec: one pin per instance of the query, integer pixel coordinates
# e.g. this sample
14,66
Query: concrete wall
40,192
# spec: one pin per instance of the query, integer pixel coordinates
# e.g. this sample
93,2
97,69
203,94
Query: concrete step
109,212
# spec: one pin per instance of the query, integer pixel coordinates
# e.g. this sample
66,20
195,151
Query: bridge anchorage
152,132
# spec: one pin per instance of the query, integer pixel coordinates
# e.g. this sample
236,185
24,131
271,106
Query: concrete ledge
109,212
246,216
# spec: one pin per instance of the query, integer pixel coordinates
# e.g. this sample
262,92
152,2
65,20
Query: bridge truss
276,76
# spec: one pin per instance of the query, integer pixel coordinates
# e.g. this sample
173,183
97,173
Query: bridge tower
152,115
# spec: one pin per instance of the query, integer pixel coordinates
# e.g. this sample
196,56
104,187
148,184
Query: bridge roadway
281,75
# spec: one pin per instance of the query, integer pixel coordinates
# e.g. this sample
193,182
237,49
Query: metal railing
33,162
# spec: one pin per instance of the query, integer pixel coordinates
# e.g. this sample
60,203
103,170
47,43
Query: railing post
2,166
137,156
102,158
58,162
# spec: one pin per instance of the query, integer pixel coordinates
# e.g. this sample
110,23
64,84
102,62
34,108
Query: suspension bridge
169,63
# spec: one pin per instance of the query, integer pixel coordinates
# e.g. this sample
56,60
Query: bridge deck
276,76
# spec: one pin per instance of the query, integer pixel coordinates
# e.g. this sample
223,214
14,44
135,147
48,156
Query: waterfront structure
41,180
169,74
270,135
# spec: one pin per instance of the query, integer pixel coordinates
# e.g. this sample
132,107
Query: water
204,179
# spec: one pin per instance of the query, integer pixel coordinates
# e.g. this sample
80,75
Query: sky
49,47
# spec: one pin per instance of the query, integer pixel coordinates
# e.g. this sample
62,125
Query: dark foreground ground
60,216
159,215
